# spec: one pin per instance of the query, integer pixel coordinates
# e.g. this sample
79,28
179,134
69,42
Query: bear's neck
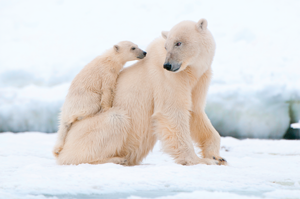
200,66
114,59
195,72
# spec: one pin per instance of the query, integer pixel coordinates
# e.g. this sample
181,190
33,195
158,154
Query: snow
254,92
257,169
296,125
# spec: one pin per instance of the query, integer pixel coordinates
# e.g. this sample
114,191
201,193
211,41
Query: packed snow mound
246,111
257,169
296,125
254,91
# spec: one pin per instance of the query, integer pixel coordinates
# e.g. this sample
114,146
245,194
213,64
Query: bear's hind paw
56,151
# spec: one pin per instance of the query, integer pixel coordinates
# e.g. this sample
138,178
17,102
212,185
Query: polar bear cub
92,90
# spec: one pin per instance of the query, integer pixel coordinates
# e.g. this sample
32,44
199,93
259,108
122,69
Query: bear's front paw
206,161
220,160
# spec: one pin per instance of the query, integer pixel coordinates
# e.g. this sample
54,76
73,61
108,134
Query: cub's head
129,51
188,44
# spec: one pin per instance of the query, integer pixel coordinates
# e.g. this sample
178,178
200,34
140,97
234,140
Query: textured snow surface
255,89
257,169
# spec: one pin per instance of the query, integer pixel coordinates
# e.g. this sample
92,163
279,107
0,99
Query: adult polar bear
160,97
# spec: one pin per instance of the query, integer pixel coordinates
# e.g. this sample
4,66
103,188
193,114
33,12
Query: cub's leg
108,91
106,99
61,135
75,109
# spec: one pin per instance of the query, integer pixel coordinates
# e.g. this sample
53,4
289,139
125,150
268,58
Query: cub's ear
116,48
164,34
202,24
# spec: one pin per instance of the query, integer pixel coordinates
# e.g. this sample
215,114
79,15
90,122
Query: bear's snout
141,56
172,67
167,66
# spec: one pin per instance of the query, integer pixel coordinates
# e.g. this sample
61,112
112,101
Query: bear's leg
202,131
177,141
205,135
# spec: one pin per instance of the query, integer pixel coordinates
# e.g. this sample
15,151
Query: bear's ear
202,24
116,48
164,34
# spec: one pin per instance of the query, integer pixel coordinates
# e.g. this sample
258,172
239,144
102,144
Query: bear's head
129,51
189,44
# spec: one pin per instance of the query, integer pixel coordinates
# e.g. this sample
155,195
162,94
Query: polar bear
92,90
160,97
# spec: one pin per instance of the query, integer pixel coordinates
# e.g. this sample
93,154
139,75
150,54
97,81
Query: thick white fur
92,90
152,103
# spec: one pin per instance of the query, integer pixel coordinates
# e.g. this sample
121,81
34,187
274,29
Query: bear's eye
133,48
178,44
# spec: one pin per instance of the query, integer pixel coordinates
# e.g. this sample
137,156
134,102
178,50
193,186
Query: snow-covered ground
257,169
255,90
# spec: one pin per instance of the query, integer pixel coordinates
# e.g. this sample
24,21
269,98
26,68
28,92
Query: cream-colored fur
153,103
92,90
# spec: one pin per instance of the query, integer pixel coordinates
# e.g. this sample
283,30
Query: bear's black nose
167,66
145,53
